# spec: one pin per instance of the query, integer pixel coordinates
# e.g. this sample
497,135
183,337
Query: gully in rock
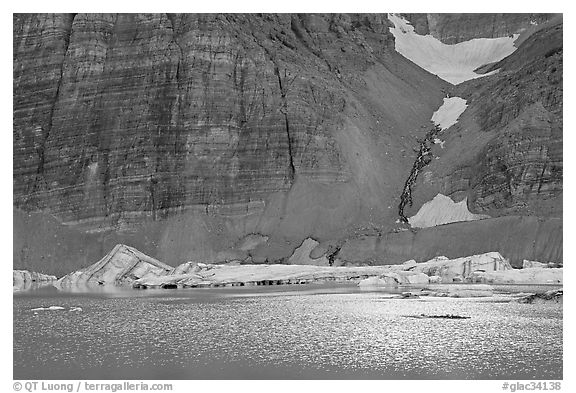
424,158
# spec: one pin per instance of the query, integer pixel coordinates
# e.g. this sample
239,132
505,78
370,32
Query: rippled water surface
312,332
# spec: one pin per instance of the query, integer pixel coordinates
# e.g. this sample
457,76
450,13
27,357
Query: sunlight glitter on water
219,334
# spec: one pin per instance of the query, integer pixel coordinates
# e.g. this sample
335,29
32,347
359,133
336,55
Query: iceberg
121,266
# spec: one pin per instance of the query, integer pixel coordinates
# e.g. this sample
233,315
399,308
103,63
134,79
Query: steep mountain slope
212,127
505,154
188,136
454,63
455,28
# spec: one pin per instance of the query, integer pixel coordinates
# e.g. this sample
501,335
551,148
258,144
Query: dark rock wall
149,113
515,237
212,127
147,117
181,134
505,154
522,167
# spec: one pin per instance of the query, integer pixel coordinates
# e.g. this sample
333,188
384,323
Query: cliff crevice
69,21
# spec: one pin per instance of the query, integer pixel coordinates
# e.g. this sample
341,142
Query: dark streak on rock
41,148
284,107
424,158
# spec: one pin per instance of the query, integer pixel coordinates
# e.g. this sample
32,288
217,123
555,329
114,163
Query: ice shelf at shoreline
127,267
204,275
23,280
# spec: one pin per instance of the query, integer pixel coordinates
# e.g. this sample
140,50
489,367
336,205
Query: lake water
300,332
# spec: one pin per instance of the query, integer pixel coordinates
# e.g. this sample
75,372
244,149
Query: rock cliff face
188,135
513,236
505,153
455,28
234,124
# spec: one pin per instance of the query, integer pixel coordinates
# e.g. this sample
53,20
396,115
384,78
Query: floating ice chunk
395,279
51,308
453,63
449,112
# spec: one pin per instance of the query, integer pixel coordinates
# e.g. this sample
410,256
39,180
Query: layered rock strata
455,28
162,125
505,154
186,134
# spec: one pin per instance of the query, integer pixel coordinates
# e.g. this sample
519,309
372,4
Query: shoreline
310,288
469,276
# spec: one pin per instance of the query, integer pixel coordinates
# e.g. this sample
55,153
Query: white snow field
453,63
443,210
447,115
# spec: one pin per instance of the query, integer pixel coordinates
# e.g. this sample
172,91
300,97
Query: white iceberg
51,308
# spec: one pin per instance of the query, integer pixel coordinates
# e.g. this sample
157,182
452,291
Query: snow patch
438,141
443,210
449,112
301,255
453,63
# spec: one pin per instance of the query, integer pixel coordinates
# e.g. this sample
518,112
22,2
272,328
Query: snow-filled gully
453,63
441,209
